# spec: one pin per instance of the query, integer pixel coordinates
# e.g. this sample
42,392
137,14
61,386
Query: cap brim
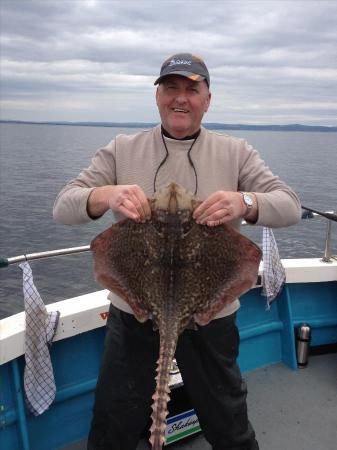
190,75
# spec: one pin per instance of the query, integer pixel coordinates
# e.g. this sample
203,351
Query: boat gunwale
89,311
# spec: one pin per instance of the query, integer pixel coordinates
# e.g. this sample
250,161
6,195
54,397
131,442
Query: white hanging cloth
273,276
39,382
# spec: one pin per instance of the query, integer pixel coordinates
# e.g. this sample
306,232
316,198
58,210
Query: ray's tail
168,343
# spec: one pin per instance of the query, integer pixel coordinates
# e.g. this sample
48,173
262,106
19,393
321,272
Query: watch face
247,200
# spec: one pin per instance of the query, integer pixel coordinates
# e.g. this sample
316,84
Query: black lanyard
165,158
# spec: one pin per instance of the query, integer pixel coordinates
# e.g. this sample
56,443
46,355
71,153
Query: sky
270,62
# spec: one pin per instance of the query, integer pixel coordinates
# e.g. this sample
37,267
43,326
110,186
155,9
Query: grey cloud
256,51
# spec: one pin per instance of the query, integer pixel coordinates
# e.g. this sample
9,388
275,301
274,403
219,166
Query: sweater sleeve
278,205
70,207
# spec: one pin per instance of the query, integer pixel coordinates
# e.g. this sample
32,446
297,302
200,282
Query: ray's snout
172,198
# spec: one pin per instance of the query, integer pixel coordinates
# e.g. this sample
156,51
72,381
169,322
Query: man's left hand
221,207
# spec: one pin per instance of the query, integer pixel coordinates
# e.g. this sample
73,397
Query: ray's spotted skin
176,272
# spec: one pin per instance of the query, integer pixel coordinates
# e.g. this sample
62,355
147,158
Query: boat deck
288,409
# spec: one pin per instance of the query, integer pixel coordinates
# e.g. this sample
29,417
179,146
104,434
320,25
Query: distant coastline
209,125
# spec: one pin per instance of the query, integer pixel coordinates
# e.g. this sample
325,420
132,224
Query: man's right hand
129,200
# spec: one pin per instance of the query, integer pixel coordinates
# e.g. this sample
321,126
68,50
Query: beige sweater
222,162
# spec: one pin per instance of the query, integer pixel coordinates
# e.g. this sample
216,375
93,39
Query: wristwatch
247,199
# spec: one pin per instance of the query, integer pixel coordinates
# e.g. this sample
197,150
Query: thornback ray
176,272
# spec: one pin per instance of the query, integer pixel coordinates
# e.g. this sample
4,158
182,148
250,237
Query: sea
37,160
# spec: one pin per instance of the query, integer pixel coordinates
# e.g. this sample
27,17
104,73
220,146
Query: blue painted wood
316,305
9,425
20,406
288,335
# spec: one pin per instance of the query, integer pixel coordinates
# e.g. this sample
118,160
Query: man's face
182,104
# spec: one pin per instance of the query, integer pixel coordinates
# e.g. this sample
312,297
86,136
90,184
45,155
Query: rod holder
327,251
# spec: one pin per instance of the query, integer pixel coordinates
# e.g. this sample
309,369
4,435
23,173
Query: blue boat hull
267,337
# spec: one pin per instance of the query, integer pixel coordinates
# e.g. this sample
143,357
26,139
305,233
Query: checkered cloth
39,380
273,276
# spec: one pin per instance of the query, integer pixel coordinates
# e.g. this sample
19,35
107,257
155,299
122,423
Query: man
234,183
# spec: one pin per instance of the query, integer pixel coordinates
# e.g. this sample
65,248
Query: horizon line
134,124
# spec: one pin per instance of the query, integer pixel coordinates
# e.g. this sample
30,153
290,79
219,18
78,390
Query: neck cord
165,158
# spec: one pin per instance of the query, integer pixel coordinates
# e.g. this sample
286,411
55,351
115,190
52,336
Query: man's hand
223,206
129,200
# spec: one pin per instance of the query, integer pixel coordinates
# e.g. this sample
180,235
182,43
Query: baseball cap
186,65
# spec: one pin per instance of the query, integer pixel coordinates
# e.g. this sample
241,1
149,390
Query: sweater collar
187,138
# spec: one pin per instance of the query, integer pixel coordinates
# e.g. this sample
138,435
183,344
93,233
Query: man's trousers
207,361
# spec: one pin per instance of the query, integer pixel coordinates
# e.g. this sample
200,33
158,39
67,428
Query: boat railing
5,262
331,216
308,213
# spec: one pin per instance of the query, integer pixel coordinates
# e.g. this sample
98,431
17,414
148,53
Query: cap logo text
175,62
